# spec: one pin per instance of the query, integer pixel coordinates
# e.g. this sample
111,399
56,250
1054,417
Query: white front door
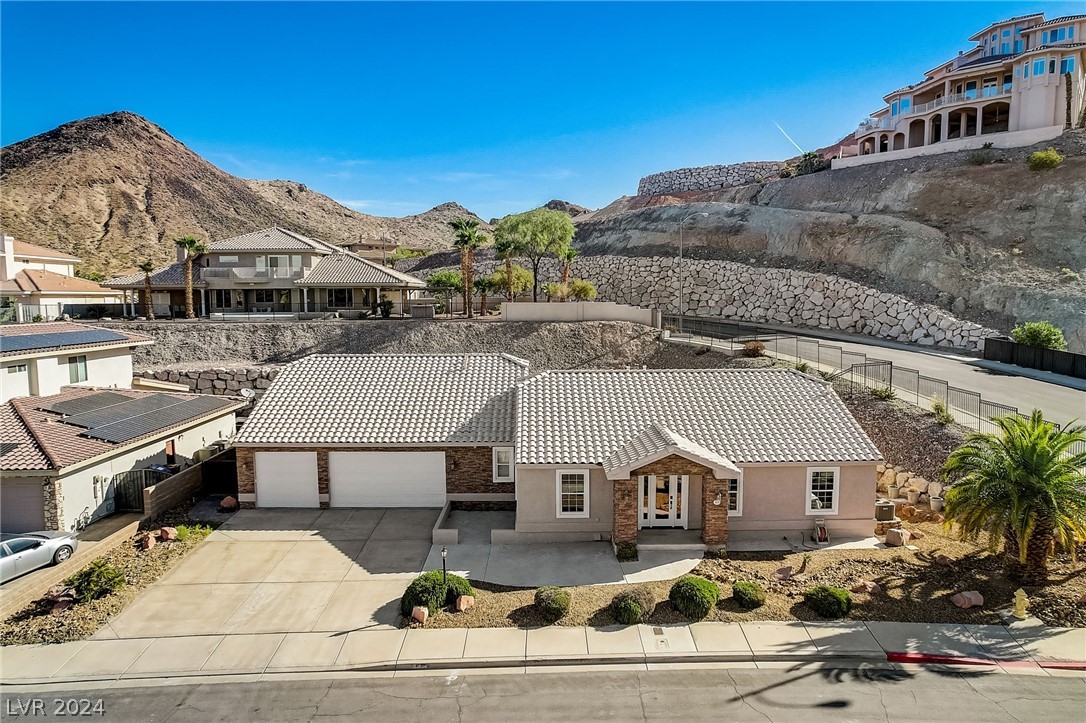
664,500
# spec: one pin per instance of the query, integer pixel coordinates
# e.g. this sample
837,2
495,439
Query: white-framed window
227,259
1067,64
17,369
571,493
77,368
223,299
735,498
503,464
823,490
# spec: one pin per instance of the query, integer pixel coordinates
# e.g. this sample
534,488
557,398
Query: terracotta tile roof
743,415
34,439
36,280
64,327
389,399
163,277
22,248
272,239
347,269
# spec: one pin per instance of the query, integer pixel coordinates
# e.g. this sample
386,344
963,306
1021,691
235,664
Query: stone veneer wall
708,178
738,292
225,381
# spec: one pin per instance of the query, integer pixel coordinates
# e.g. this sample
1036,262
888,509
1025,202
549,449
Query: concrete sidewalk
1027,647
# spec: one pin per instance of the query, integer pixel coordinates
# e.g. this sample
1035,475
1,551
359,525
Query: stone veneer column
53,503
624,512
246,478
714,518
322,478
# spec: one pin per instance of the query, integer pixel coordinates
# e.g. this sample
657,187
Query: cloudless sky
394,108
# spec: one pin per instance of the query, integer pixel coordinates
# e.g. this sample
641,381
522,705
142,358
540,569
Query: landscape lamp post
444,574
682,303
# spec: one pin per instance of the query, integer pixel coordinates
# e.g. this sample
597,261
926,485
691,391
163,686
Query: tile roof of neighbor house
389,399
746,416
22,248
344,268
163,277
988,59
32,281
981,33
33,439
64,328
1056,21
272,239
656,442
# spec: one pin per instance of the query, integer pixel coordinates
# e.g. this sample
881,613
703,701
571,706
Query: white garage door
21,506
386,479
286,479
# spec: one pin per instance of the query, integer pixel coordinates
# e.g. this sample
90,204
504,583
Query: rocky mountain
115,189
567,207
981,236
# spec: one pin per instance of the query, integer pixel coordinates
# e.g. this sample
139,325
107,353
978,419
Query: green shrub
942,414
694,597
581,290
451,280
748,595
754,349
884,393
1039,333
829,602
556,291
36,317
626,551
96,580
430,591
811,162
803,367
630,607
1047,158
980,158
552,601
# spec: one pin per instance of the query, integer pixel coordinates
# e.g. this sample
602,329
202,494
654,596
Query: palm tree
193,247
505,246
467,238
1024,486
147,268
484,285
567,261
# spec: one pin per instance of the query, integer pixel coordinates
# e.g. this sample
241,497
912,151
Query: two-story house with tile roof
1010,89
272,271
36,281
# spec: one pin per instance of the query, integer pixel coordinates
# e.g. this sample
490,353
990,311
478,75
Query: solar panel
134,427
117,412
87,403
27,342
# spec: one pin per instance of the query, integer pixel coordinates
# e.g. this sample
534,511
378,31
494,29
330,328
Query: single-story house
76,456
40,358
582,454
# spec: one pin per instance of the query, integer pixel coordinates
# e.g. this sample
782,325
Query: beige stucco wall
536,499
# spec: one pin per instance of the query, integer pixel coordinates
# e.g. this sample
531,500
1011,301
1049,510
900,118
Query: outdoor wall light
718,499
444,573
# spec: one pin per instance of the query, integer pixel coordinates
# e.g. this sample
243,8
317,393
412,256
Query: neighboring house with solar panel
579,454
1023,82
37,360
36,281
273,271
80,455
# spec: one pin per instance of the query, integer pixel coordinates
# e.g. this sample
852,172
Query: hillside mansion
1013,82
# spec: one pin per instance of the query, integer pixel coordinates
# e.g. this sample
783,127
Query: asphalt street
791,693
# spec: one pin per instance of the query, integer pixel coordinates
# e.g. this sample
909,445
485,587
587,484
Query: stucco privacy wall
706,178
739,292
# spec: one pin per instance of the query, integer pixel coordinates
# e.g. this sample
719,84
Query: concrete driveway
287,571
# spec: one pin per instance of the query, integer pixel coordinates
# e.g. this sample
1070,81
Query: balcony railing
889,122
252,274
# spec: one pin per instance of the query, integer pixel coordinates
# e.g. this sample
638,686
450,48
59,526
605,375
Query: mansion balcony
251,275
871,125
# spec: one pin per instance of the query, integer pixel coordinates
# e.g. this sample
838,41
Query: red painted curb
1062,664
963,660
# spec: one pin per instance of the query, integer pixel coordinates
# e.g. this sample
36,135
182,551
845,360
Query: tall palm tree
193,247
567,261
505,246
1024,486
484,285
147,268
467,238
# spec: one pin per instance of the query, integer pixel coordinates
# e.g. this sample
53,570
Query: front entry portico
665,501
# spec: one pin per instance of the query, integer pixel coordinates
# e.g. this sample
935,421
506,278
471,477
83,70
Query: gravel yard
914,588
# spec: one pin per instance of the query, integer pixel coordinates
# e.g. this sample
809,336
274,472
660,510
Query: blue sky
394,108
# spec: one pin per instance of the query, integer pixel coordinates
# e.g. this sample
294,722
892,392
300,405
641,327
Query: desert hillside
114,189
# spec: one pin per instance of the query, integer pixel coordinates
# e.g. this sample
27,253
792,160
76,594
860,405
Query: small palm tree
484,285
567,261
147,268
467,238
193,247
506,246
1024,486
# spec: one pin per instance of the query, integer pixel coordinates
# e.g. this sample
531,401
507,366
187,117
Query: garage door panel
286,479
22,507
386,479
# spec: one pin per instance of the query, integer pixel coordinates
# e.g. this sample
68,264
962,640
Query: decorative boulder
62,605
943,560
58,593
966,600
420,613
935,489
148,541
228,504
783,573
897,537
866,586
916,534
465,603
1082,600
918,484
902,478
167,534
